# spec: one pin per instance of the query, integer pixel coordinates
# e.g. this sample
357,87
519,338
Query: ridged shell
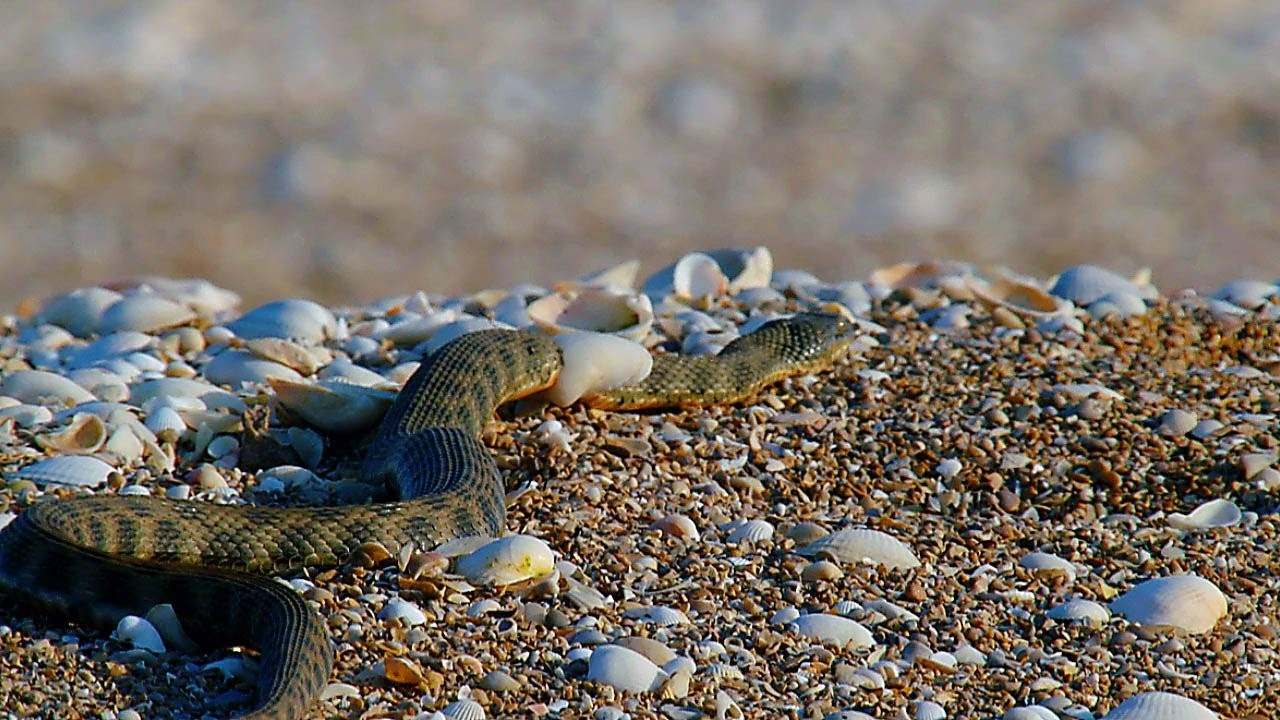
1030,712
234,367
79,311
659,615
595,362
1086,284
464,709
334,406
854,545
1186,602
40,387
83,435
1042,563
1081,610
300,320
751,531
73,470
507,560
144,312
1160,706
929,710
833,630
1217,513
624,669
623,313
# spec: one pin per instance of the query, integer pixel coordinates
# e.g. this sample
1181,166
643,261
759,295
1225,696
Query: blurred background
345,151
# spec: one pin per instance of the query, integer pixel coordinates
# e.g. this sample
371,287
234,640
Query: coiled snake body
101,557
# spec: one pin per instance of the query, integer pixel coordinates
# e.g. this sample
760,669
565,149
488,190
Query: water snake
98,558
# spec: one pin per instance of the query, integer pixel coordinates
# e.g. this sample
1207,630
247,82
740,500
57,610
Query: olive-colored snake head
809,340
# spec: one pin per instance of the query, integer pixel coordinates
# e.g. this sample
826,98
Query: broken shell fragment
1217,513
332,405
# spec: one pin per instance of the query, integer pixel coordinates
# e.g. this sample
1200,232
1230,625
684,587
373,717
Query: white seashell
1042,563
1253,463
1017,295
848,715
27,416
235,367
1086,284
624,669
1176,423
334,406
785,616
343,370
410,329
463,709
166,423
891,610
627,314
1206,429
139,633
165,620
1030,712
867,679
200,295
144,312
679,526
79,311
300,320
1080,391
72,470
83,435
1185,602
1080,610
1160,706
507,560
40,387
752,531
594,362
290,354
854,545
969,655
622,275
1123,305
107,347
949,468
1250,294
124,444
745,269
398,608
929,710
480,608
660,615
1212,514
212,396
833,630
453,331
913,274
333,691
948,319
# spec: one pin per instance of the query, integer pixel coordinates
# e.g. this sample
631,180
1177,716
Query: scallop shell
334,406
144,312
594,362
854,545
929,710
40,387
1086,284
507,560
660,615
1184,602
624,669
83,435
300,320
1080,610
627,314
463,709
833,630
1042,563
166,423
1030,712
73,470
751,531
1212,514
1160,706
79,311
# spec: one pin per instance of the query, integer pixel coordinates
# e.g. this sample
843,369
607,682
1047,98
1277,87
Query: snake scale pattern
97,558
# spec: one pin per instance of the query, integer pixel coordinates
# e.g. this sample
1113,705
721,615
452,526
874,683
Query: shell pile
1017,498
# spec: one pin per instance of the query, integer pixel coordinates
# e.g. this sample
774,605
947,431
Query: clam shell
1080,610
40,387
1176,423
212,397
1086,284
410,329
79,311
200,295
139,633
679,526
1212,514
697,277
236,367
344,370
1184,602
83,435
622,275
107,347
507,560
745,269
334,406
300,320
1250,294
290,354
398,608
1160,706
1019,296
594,362
660,615
1122,305
656,652
26,415
854,545
624,669
1042,563
1030,712
452,331
751,531
144,312
463,709
929,710
73,470
626,313
914,274
833,630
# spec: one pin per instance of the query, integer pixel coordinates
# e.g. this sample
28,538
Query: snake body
98,558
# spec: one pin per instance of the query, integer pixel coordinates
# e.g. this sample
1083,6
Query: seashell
1184,602
806,532
1021,297
752,531
211,396
463,709
622,275
948,319
656,652
624,669
852,296
949,468
866,679
674,688
680,526
40,387
595,362
1176,423
1267,479
290,354
626,314
697,277
308,444
848,715
72,470
785,616
300,320
745,269
1160,706
1030,712
79,311
398,608
1086,284
236,367
1249,294
726,707
27,416
912,274
342,369
507,560
410,329
660,615
929,710
969,655
854,545
480,608
499,681
821,571
124,445
1080,610
165,620
833,630
453,331
1253,463
107,347
890,610
333,691
200,295
1081,391
83,435
334,406
144,312
1122,305
139,633
103,384
1212,514
1048,564
1206,429
402,671
166,423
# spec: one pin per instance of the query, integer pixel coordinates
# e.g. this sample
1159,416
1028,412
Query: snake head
811,340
